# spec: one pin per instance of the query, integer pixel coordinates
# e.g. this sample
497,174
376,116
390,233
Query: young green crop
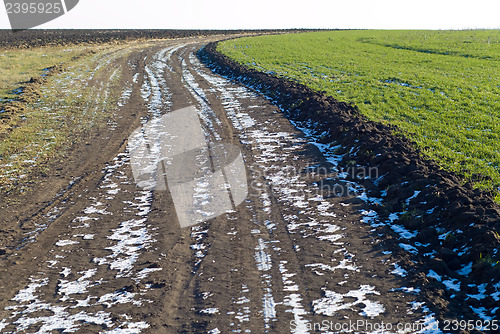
441,88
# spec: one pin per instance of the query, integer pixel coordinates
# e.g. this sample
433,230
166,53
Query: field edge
461,224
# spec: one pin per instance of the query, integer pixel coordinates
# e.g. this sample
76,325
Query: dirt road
103,255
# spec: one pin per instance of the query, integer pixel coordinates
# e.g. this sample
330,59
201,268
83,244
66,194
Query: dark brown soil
38,37
458,207
213,265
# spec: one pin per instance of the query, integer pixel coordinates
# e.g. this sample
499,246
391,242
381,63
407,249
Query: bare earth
105,256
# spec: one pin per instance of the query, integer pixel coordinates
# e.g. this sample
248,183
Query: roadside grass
440,88
19,65
66,112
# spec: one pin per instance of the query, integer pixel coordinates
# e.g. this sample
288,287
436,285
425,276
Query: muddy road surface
104,253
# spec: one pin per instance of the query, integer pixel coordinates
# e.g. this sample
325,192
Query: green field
440,88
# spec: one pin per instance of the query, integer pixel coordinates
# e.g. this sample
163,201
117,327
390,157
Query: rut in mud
108,256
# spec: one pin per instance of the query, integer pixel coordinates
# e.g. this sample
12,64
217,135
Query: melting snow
211,310
398,270
334,302
434,275
62,243
466,270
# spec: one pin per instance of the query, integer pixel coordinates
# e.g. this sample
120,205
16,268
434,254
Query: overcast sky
233,14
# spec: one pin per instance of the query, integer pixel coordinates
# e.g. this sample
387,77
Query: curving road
293,257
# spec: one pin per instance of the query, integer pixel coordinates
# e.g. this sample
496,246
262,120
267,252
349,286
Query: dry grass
65,110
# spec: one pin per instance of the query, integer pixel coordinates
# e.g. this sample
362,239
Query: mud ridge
456,224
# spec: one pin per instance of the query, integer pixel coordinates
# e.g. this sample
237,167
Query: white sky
233,14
